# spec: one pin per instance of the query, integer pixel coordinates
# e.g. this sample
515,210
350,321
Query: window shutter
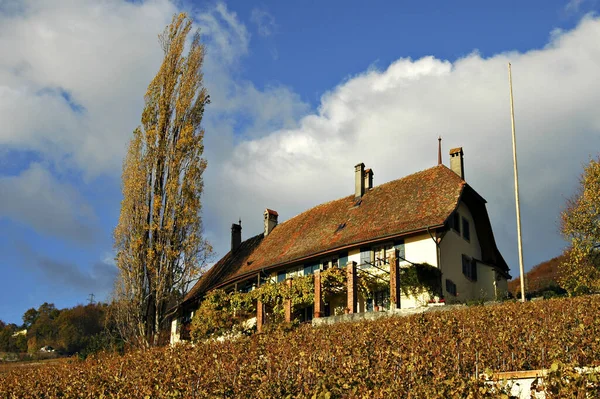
466,230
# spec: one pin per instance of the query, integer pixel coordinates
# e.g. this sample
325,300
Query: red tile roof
225,267
413,203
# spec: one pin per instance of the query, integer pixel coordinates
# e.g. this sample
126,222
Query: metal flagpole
514,146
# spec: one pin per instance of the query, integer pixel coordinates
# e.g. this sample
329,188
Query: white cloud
74,73
390,120
264,21
73,80
103,54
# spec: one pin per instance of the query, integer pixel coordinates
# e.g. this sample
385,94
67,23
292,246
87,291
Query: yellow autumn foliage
158,239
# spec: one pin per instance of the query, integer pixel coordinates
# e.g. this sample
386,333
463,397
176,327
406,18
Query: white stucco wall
175,336
421,249
452,248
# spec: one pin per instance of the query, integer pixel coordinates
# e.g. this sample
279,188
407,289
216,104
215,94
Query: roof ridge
350,196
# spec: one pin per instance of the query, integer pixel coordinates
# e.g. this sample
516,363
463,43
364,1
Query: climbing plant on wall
420,278
222,312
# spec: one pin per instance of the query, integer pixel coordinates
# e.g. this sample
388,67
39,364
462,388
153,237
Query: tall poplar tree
158,239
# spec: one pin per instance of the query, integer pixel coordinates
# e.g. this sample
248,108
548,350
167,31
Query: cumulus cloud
390,120
49,206
72,91
81,69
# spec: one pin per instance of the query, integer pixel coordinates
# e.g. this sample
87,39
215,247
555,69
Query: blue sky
301,92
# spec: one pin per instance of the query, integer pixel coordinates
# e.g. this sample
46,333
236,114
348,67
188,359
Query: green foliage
81,329
222,312
218,313
10,343
438,358
416,279
580,224
77,327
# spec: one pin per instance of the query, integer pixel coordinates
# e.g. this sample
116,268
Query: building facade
431,217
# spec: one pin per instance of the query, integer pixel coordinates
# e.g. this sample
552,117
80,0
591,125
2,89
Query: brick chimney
368,179
270,220
236,236
359,180
456,162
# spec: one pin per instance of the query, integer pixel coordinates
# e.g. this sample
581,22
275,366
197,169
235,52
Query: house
430,217
20,332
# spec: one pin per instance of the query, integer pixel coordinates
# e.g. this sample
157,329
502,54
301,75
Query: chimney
456,162
368,179
236,236
270,220
359,180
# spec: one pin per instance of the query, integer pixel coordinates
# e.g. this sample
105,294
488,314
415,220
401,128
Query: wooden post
352,289
394,281
260,315
288,303
516,170
260,311
318,306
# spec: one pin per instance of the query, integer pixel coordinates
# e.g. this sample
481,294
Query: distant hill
543,277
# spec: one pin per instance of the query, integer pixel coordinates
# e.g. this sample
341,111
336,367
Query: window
343,261
469,268
450,287
310,269
382,299
280,277
399,245
365,256
329,262
379,256
455,222
466,231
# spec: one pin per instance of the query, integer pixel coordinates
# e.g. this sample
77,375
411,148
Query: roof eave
325,253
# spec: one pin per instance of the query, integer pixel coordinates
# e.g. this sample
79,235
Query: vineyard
433,355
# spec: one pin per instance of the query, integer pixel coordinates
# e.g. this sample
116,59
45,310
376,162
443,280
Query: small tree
158,239
580,224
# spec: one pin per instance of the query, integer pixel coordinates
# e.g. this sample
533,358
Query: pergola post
318,307
260,311
260,315
352,289
394,281
288,303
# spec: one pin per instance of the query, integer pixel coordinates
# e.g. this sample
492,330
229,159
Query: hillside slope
542,277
